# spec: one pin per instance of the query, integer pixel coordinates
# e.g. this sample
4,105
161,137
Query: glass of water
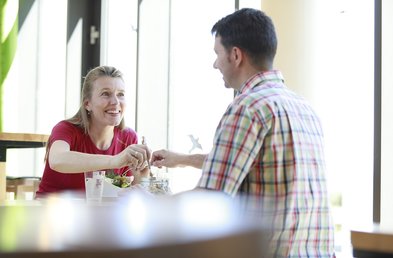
94,184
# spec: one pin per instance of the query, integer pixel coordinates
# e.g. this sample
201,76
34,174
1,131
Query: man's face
224,63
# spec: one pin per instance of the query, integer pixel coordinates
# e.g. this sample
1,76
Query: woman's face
107,103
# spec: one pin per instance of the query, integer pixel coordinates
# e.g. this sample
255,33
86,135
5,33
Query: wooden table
376,241
191,225
16,140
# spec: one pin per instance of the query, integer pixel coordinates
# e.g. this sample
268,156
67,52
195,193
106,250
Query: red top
53,181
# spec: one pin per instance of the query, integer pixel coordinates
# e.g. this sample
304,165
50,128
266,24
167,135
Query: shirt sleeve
64,131
236,145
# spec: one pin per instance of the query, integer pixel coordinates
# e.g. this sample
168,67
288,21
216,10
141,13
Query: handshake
139,158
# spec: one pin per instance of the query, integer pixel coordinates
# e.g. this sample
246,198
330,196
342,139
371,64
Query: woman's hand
135,156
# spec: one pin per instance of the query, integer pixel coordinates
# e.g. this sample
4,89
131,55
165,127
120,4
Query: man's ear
237,55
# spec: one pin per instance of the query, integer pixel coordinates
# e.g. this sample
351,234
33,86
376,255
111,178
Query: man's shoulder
257,97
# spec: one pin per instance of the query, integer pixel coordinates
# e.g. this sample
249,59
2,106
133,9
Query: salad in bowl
122,181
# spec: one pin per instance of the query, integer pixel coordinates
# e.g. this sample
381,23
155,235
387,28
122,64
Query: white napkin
111,190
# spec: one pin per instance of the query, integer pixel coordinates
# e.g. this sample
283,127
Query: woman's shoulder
127,133
65,127
66,124
67,132
127,130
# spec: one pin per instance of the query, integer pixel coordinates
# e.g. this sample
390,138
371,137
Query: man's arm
170,159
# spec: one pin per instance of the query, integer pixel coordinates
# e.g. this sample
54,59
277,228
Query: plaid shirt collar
261,78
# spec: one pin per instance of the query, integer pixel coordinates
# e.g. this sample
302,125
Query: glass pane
197,94
387,114
36,79
250,4
153,72
320,45
345,101
119,45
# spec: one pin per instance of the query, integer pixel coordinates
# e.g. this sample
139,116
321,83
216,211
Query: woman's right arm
63,160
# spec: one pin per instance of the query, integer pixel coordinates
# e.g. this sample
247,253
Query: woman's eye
105,93
121,94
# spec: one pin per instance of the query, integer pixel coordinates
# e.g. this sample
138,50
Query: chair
20,186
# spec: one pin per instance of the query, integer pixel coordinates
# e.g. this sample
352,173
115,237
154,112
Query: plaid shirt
269,143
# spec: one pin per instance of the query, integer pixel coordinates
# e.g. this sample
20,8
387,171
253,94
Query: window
167,54
37,77
326,54
386,217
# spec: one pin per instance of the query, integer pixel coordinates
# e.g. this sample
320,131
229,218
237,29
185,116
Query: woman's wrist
139,175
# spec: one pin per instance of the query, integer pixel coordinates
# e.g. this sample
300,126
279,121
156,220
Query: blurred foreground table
375,241
195,224
16,140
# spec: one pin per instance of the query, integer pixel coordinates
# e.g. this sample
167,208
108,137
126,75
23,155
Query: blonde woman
95,138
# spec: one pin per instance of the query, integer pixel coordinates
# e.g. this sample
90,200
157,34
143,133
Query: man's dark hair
250,30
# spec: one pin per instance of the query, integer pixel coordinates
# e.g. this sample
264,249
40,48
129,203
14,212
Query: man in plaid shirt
269,142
